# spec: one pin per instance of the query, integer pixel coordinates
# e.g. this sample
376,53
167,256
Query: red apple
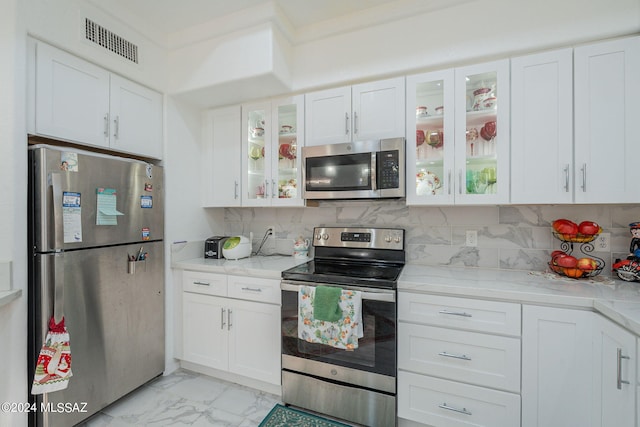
588,264
589,228
566,261
556,253
564,226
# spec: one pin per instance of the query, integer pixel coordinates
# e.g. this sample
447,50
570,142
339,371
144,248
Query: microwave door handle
374,171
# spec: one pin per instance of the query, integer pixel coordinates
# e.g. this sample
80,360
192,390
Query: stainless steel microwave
371,169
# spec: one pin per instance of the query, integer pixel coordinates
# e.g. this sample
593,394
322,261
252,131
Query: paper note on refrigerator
71,217
106,212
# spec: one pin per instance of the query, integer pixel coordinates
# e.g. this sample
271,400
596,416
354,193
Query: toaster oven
213,246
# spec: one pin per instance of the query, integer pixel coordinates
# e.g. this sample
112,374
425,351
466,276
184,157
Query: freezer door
115,319
91,188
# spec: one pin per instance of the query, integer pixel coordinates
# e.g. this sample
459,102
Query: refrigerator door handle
58,274
58,232
58,242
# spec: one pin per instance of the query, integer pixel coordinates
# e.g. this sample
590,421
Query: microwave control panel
388,163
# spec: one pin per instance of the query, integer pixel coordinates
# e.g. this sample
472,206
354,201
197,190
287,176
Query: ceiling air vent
105,38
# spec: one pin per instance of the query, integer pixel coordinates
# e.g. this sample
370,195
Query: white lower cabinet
458,361
204,345
614,381
438,402
578,369
481,359
254,340
226,328
556,367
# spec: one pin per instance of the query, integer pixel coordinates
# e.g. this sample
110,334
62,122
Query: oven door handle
366,295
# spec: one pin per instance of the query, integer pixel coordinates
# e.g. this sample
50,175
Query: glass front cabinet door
430,138
272,140
482,133
453,117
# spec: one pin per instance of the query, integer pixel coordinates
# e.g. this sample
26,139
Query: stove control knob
397,239
318,236
387,239
325,236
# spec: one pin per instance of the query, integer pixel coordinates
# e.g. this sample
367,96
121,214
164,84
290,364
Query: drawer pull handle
451,408
620,381
222,322
252,289
455,313
202,283
455,356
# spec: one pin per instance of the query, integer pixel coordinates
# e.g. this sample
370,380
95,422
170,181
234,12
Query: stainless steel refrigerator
96,235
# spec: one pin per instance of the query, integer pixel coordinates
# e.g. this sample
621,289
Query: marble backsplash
509,237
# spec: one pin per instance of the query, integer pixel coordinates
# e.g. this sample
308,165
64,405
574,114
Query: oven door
372,364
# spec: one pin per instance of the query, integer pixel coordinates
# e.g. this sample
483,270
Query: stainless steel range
359,384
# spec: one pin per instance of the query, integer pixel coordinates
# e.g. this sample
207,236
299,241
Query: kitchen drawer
438,402
463,313
204,283
255,289
470,357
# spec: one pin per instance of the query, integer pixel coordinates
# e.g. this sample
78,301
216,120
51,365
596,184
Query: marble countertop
615,299
7,296
266,267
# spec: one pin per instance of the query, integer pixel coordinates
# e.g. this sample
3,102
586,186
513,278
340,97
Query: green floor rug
282,416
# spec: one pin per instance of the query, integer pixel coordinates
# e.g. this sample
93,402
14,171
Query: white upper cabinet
272,138
221,164
136,118
72,98
458,122
482,131
607,109
378,109
80,102
327,114
372,110
542,128
430,138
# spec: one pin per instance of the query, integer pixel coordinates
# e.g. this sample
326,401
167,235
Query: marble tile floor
185,398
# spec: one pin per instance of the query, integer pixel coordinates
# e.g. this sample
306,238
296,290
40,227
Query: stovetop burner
348,273
371,257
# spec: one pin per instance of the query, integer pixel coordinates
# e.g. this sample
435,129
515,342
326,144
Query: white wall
61,23
185,220
470,32
13,186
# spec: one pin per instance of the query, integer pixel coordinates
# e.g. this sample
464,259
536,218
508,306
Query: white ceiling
169,16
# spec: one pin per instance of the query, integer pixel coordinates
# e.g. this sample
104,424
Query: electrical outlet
603,242
472,238
271,239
